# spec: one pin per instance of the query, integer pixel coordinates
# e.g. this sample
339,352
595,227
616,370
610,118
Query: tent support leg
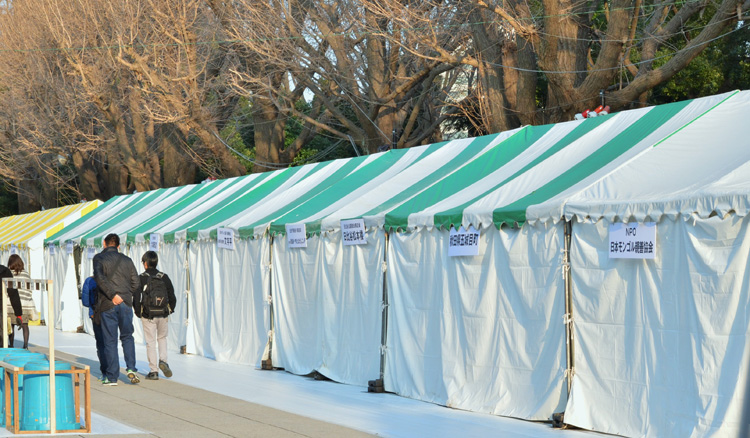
183,348
377,384
266,362
570,351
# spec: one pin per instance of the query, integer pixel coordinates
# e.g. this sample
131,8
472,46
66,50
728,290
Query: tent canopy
20,229
637,163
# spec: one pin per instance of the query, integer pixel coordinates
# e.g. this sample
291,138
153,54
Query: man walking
117,279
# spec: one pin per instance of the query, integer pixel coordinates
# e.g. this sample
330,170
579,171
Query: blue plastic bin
35,411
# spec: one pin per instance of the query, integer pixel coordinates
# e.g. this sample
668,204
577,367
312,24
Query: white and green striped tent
482,333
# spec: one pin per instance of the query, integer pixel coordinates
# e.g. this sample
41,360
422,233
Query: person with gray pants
153,304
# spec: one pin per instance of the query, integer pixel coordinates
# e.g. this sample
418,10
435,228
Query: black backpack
155,299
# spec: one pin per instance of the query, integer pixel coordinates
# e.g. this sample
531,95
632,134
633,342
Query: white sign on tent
13,249
632,241
463,242
296,235
225,238
69,247
353,232
153,242
51,249
90,252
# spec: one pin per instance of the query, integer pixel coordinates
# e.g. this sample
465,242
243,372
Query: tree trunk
178,170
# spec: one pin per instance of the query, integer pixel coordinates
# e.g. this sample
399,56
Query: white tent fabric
700,168
229,314
68,305
482,333
327,307
661,345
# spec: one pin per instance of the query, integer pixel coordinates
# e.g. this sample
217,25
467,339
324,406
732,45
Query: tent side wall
482,333
60,268
229,315
661,345
327,302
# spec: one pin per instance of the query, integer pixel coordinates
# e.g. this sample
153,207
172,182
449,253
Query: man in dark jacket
117,279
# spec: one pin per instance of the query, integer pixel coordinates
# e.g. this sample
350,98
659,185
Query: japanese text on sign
296,235
69,247
353,232
51,248
90,252
13,249
153,243
463,242
225,238
632,241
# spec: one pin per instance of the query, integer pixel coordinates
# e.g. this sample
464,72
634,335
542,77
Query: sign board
353,232
69,247
51,249
632,241
90,252
153,242
13,249
225,238
296,235
463,242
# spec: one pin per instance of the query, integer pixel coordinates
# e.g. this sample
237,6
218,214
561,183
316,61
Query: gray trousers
155,331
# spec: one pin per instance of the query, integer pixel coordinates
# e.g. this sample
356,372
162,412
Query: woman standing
28,310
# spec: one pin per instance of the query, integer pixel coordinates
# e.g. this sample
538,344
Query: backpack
155,299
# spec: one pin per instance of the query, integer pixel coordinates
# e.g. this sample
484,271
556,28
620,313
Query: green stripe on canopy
469,152
55,238
349,166
218,217
336,191
632,135
455,215
480,167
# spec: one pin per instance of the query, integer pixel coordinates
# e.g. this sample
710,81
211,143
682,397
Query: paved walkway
165,408
206,398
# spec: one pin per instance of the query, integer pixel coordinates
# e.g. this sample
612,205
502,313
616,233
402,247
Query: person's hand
116,300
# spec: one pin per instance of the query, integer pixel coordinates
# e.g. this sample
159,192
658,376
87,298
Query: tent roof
685,157
19,229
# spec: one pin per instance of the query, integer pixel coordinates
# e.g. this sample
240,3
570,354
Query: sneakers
107,382
164,367
133,377
153,375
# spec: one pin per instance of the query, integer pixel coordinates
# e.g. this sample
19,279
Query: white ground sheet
385,415
661,345
229,314
327,302
482,333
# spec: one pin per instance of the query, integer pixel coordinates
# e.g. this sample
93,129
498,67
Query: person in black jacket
117,279
15,312
155,319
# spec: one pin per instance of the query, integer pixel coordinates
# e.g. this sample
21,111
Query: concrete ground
206,398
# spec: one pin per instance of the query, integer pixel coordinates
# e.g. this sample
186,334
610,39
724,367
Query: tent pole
183,349
568,306
268,365
384,323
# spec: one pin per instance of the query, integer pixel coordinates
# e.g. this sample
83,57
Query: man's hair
151,259
15,263
112,239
